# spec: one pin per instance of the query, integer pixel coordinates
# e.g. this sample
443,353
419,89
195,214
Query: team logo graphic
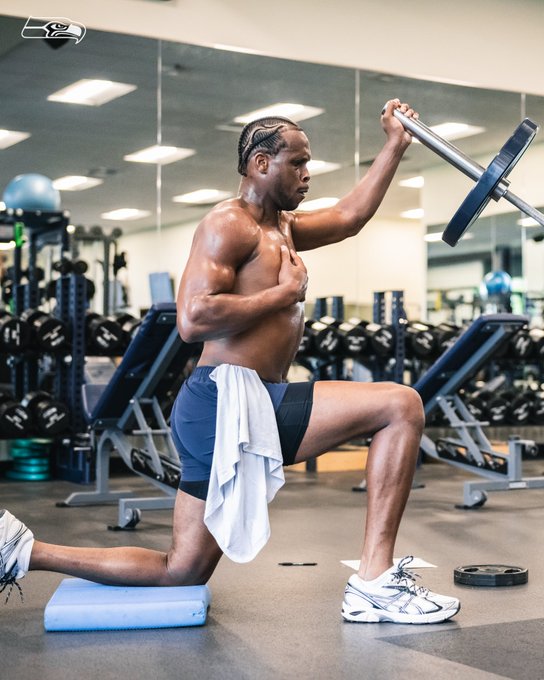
48,28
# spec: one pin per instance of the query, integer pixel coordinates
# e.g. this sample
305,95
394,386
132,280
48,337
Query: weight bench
126,415
470,450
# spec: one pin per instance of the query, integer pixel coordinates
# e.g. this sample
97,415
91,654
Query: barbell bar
491,181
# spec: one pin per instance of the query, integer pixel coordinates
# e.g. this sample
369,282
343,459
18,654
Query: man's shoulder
229,220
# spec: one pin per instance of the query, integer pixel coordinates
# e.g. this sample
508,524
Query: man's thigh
345,410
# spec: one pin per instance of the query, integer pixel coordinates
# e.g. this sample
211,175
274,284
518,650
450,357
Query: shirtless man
242,294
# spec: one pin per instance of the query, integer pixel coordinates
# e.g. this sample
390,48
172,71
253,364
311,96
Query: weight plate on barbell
490,575
477,199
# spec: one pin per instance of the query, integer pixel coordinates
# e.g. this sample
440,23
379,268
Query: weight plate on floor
28,476
477,199
490,575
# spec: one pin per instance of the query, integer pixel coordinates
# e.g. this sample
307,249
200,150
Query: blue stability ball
32,192
498,283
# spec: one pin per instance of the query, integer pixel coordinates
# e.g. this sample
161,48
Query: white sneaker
16,542
395,597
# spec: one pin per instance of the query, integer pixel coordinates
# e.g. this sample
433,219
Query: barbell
491,182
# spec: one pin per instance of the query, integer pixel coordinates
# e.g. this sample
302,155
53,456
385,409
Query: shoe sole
378,617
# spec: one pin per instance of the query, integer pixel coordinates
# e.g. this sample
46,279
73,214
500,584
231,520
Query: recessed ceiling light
316,167
454,131
414,214
161,155
528,222
11,137
91,92
295,112
202,197
413,182
125,214
76,183
317,203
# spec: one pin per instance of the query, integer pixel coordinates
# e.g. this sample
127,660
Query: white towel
247,463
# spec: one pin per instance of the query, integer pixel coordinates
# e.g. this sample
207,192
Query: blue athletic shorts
193,424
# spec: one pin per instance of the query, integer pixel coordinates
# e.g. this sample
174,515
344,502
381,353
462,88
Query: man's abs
269,347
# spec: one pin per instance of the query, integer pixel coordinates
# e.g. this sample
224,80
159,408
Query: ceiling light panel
122,214
202,197
90,92
161,155
295,112
76,183
11,137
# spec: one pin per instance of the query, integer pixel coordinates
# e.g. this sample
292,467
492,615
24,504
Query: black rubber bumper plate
490,575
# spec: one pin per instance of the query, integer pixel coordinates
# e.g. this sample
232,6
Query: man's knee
190,569
408,407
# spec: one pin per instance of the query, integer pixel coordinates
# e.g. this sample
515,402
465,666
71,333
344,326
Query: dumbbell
446,334
15,334
521,406
65,266
49,417
51,333
14,417
422,340
520,346
129,325
382,338
325,336
354,340
537,337
537,415
102,334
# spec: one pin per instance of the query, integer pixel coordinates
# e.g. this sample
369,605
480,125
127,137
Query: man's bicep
317,228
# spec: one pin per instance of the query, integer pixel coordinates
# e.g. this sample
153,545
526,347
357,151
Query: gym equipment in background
126,414
32,192
470,449
491,181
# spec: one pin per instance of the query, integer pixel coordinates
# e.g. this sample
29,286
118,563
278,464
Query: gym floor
268,621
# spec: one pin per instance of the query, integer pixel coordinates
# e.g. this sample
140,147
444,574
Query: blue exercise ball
498,283
32,192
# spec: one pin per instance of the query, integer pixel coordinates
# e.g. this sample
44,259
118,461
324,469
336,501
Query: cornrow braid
263,134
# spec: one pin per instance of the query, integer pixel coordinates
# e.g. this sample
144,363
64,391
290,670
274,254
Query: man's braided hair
263,134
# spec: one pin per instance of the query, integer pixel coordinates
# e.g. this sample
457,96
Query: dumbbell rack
42,229
398,321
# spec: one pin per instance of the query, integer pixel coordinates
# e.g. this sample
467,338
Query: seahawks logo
49,28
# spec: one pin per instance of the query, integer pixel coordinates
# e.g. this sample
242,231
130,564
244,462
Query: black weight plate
477,199
490,575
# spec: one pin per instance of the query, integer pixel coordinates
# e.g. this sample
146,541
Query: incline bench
126,415
470,450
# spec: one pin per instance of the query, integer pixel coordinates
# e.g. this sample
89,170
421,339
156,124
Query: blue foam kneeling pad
78,604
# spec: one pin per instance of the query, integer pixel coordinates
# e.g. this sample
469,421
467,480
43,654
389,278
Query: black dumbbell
382,339
520,345
521,406
537,415
353,337
49,416
326,339
422,341
65,266
51,333
102,334
14,417
129,324
15,333
537,336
